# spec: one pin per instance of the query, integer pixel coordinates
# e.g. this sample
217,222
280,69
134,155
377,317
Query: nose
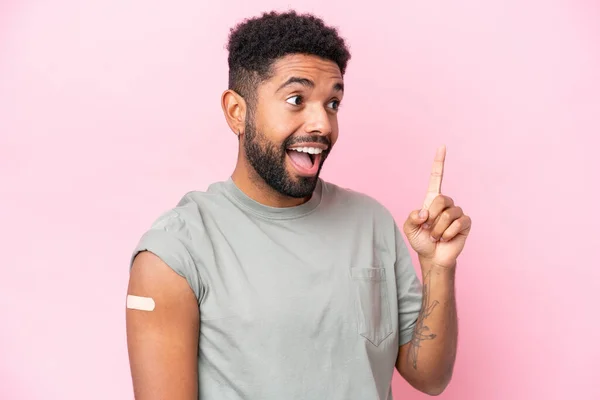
318,121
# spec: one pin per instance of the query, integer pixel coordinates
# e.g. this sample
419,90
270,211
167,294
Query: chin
301,186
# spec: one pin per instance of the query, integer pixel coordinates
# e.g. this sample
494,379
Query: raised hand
439,230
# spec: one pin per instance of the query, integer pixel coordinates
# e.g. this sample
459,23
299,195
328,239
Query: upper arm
163,343
410,297
409,290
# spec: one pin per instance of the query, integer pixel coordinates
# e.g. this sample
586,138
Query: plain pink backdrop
109,113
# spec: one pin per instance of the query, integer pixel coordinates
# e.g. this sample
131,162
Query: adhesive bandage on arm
140,303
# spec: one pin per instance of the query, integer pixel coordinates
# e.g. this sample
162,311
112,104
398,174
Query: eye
295,100
334,104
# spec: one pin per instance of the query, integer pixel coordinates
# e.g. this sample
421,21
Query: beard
269,161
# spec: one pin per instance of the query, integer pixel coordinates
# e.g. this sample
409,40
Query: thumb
414,221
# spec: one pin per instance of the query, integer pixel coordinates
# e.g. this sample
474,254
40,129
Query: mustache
308,139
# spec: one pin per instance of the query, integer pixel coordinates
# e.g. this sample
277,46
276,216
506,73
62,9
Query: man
275,284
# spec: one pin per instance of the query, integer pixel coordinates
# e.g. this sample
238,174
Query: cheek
334,130
280,130
277,124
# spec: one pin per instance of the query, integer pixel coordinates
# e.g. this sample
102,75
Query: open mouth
305,160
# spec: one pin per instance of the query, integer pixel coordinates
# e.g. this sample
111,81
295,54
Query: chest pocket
372,304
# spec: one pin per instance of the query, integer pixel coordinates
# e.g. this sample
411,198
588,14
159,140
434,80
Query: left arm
437,233
427,361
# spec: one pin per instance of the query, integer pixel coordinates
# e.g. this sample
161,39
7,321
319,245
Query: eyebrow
338,87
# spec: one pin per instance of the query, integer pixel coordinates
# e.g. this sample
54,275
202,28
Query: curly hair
256,43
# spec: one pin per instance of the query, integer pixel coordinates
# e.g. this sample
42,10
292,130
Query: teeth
309,150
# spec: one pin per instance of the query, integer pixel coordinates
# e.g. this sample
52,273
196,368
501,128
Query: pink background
109,113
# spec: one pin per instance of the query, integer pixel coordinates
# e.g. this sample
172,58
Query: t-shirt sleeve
169,240
410,292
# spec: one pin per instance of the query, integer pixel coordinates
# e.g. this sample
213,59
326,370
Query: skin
163,344
438,233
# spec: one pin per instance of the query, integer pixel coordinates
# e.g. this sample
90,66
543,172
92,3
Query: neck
253,186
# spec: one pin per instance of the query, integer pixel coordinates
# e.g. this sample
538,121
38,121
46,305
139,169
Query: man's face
293,124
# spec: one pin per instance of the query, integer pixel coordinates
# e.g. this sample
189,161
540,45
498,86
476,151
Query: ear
234,107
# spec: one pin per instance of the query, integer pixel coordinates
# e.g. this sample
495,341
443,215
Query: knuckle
447,215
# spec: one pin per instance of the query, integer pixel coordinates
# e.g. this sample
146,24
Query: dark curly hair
256,43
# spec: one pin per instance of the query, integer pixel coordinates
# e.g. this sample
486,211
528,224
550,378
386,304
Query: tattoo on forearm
422,331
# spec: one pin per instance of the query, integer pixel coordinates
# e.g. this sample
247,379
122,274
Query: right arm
163,343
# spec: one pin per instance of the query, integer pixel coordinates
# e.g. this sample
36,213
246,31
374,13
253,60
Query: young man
275,284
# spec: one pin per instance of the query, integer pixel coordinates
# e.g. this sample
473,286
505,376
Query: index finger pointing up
435,180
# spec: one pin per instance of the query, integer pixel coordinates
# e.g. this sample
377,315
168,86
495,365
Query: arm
427,361
163,343
438,233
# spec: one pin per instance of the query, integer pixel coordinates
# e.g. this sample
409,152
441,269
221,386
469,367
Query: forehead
319,70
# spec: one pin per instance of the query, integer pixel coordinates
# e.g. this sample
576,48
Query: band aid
140,303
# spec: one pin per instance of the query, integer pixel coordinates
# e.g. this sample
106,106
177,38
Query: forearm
429,361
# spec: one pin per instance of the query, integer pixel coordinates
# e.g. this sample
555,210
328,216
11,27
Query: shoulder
181,229
370,215
355,201
189,211
178,236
